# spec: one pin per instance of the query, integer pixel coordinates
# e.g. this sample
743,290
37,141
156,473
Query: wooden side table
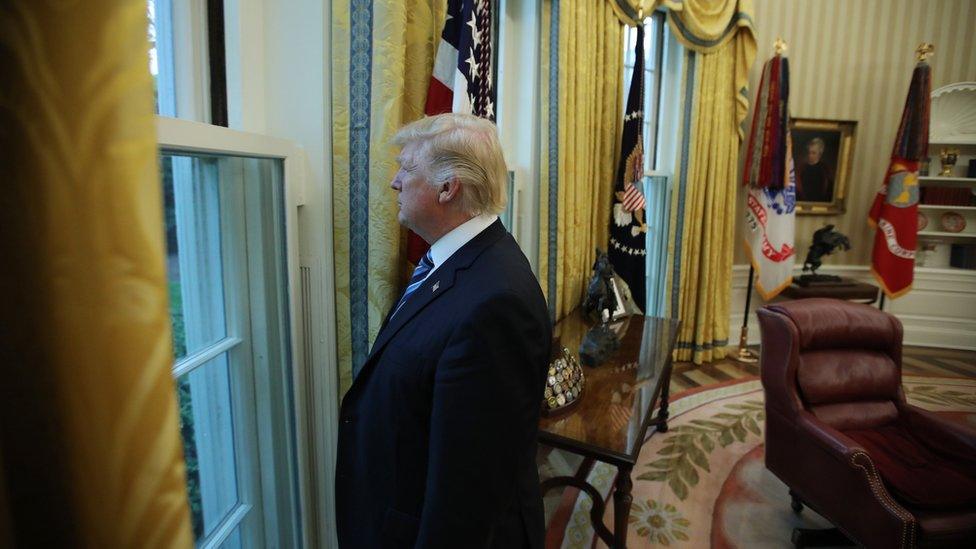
848,289
611,421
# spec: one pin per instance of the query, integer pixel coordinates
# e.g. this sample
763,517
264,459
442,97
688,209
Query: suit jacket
437,435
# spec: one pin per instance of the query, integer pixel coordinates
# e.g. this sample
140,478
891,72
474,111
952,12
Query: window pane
651,28
233,541
225,235
207,428
630,40
191,197
160,14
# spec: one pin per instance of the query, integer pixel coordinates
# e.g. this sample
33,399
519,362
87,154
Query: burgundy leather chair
841,436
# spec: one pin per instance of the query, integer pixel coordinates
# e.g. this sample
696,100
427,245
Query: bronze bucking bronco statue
600,305
825,242
599,293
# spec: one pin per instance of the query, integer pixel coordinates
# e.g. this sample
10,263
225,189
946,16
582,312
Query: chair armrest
947,435
842,484
834,442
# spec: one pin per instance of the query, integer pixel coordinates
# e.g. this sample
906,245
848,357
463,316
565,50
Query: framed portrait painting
822,154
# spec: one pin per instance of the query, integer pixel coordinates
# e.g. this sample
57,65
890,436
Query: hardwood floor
915,361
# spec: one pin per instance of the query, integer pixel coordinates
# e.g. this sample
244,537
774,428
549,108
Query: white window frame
659,182
184,71
313,421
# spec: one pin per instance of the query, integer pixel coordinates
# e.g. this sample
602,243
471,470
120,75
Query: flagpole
745,354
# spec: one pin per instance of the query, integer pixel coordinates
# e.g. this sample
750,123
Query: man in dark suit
437,435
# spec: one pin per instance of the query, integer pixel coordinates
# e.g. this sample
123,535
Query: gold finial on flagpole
924,51
779,46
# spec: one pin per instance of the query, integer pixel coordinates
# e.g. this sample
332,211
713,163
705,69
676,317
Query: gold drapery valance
704,26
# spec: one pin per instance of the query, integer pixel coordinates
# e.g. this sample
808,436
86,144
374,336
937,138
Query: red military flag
462,79
894,213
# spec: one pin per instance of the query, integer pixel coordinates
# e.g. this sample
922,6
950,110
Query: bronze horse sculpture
825,242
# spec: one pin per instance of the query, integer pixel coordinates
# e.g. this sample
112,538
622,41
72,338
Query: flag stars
473,64
636,115
475,35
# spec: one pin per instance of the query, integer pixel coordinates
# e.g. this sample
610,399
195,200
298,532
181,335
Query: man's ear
450,190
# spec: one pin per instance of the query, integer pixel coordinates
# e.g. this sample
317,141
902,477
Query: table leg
596,511
622,500
662,413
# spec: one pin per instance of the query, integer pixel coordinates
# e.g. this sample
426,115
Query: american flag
462,76
462,79
633,199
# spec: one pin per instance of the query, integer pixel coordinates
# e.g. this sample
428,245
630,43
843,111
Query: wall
853,60
518,114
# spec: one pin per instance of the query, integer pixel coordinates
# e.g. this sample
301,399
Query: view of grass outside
179,351
186,413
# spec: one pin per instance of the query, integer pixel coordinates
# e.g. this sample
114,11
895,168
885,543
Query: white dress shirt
446,245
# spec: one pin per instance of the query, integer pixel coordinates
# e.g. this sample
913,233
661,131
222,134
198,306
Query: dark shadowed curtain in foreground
90,454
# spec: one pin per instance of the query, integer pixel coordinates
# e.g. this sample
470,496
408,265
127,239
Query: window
186,59
654,29
231,201
227,279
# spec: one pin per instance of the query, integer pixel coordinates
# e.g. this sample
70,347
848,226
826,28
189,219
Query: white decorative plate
953,222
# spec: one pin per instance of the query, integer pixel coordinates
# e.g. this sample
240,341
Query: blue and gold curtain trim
382,57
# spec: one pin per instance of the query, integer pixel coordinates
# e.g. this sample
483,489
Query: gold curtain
590,108
721,48
397,40
91,454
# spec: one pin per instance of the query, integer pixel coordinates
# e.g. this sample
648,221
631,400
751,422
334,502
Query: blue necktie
416,279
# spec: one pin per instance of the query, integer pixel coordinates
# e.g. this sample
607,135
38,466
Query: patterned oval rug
704,483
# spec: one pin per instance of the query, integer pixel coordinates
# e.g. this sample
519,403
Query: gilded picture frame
823,151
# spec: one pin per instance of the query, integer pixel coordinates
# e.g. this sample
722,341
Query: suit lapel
437,284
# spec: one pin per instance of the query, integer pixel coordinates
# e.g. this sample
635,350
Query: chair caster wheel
795,503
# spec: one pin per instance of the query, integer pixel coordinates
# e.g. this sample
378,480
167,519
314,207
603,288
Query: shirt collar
451,242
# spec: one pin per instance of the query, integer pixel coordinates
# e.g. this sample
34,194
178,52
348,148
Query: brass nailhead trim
908,521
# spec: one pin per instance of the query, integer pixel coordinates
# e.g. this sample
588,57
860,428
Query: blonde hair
466,147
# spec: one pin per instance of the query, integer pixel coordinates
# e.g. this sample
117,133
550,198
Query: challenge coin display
564,384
